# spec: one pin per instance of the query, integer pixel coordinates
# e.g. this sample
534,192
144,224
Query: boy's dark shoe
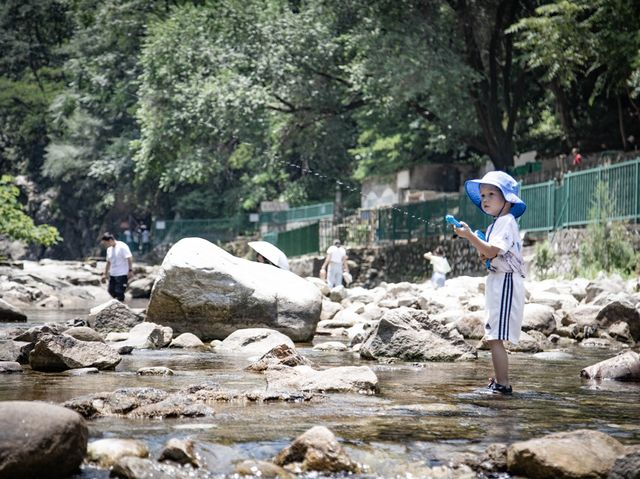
495,387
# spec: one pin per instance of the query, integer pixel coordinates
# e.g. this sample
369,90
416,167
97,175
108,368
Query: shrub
544,259
608,245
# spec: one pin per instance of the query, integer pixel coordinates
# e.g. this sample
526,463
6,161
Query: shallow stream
425,415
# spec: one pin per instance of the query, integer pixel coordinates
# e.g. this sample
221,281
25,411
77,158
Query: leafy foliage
16,224
133,108
608,245
544,259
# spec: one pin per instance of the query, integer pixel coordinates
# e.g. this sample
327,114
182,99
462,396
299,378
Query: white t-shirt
440,264
118,257
505,234
336,253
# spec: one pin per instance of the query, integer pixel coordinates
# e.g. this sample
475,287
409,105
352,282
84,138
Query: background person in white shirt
440,266
119,267
335,264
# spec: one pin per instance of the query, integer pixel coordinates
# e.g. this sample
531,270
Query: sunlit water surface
425,415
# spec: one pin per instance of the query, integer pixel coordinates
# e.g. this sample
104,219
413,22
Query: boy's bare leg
500,362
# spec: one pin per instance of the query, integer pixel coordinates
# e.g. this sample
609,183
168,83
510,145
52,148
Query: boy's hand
464,231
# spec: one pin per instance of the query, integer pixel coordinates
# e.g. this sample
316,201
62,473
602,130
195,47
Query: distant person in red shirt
576,157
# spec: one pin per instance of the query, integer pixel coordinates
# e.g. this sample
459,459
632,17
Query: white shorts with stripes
504,306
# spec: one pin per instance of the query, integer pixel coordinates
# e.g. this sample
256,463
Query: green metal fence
298,241
550,205
301,213
214,230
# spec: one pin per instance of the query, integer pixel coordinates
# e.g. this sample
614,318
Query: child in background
440,266
496,194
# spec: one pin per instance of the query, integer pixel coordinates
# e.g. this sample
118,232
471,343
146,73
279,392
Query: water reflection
424,415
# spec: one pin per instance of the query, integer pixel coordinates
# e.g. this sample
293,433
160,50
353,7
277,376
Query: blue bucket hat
509,187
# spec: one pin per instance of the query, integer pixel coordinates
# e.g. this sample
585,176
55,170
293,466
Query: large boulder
40,440
412,335
204,290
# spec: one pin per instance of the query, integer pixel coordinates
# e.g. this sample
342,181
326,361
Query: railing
550,205
301,213
298,241
214,230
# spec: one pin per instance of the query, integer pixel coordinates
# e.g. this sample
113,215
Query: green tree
31,34
16,224
92,122
243,98
589,54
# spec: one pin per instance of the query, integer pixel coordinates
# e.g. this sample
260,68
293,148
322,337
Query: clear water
426,414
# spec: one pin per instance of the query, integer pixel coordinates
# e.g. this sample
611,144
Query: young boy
496,194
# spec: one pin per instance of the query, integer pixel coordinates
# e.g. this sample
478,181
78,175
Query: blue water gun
453,221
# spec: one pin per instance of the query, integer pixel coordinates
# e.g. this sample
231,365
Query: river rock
106,452
32,335
620,331
316,450
565,455
8,367
539,317
253,341
620,311
623,367
605,285
264,469
18,351
329,309
282,355
412,335
11,314
113,316
84,333
131,467
40,440
145,336
360,379
155,371
471,325
186,340
141,288
205,290
180,451
330,346
61,352
191,401
626,466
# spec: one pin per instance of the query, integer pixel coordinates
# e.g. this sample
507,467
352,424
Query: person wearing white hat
497,195
335,264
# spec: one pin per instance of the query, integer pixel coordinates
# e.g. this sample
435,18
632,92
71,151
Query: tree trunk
496,95
621,123
564,112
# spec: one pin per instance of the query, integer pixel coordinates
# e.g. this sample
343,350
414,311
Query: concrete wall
399,262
